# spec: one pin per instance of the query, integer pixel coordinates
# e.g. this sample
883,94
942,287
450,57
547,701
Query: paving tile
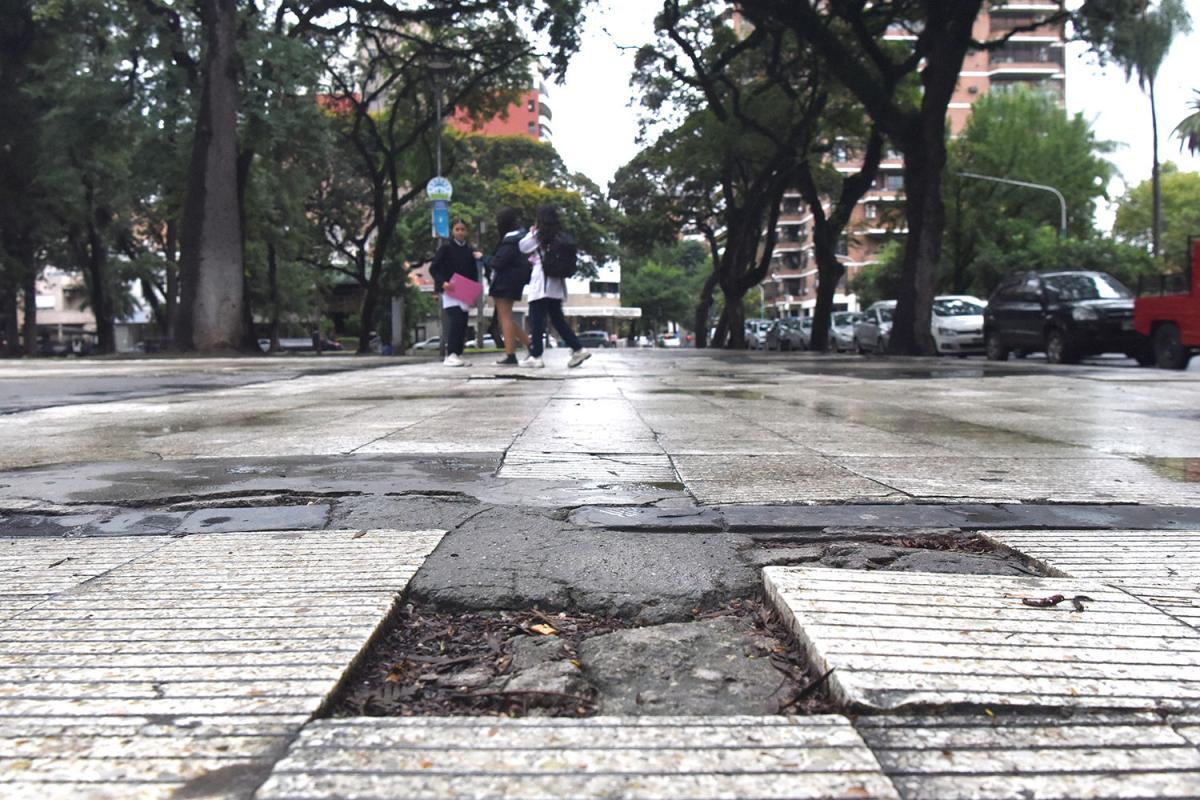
732,478
1161,567
912,639
187,667
948,757
601,757
606,468
1062,480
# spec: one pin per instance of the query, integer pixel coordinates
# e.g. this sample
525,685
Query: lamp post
437,68
1062,203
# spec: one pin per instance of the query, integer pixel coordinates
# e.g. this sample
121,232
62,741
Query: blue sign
441,219
439,189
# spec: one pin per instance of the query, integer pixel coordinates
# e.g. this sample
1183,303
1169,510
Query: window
533,128
843,246
604,287
531,106
872,211
894,183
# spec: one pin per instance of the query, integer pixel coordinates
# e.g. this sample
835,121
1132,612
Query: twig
808,691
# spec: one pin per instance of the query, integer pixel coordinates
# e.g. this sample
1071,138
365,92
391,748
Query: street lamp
1062,203
437,68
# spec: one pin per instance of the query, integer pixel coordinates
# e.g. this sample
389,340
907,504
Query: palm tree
1140,48
1188,131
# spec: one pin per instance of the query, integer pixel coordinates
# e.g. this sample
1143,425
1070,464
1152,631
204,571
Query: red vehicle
1171,318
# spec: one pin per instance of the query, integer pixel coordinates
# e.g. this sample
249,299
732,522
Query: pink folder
463,289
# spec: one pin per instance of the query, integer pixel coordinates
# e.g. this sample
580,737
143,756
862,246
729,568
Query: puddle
736,394
1185,470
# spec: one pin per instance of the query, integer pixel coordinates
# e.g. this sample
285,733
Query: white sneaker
533,362
453,360
578,357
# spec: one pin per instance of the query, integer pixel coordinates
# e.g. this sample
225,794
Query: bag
560,260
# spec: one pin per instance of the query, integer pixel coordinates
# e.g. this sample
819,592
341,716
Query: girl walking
510,272
546,294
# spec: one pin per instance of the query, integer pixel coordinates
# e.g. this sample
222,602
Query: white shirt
540,286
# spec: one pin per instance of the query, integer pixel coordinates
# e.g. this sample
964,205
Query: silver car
871,333
841,330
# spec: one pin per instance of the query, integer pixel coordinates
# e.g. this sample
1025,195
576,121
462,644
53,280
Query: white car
957,324
429,344
871,332
669,340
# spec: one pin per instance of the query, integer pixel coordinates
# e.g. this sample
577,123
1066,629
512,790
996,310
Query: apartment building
1033,59
529,116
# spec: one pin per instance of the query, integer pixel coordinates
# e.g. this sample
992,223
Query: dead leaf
543,629
857,791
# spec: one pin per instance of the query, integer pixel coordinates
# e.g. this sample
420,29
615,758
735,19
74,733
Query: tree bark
8,307
1155,179
273,287
29,334
211,265
92,253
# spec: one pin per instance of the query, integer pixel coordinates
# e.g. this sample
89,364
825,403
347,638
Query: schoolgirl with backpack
552,254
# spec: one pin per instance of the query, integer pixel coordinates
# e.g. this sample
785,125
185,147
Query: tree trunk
211,312
29,334
8,307
171,300
1155,181
93,253
703,308
273,287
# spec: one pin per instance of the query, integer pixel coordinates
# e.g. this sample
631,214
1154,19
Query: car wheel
1058,348
996,351
1168,348
881,345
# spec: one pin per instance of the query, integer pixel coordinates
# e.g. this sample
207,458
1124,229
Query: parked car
433,343
668,340
488,342
957,324
756,333
871,332
785,334
1066,315
805,327
841,329
595,339
1171,319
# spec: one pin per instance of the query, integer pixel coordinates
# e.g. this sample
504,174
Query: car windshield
1087,286
885,314
956,308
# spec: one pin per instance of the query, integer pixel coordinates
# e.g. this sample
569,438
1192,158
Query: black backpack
560,260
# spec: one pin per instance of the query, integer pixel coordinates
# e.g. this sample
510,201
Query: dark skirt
508,289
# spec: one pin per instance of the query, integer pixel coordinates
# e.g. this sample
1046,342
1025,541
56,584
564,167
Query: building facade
1032,59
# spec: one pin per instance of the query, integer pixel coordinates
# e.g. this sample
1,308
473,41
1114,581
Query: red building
530,116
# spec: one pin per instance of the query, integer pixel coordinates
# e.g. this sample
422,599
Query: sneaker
578,357
532,361
508,361
454,360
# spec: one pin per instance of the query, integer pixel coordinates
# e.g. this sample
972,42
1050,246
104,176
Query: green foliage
879,280
665,284
1181,215
1188,129
522,173
984,218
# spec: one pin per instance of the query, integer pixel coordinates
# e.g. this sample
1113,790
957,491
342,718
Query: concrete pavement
647,485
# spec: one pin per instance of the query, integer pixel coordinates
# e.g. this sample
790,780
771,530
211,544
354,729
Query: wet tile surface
921,639
183,662
773,479
601,757
973,757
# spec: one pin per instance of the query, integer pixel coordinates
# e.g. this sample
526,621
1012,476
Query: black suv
1066,315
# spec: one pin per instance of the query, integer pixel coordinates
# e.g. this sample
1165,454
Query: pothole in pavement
737,659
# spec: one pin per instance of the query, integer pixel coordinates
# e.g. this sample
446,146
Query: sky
595,122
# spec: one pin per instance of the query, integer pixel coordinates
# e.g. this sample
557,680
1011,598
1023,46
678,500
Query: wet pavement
647,485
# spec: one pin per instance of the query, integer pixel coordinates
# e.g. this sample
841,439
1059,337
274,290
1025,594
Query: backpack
559,260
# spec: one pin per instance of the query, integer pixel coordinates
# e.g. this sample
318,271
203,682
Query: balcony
544,110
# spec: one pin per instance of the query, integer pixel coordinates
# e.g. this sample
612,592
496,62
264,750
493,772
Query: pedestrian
510,270
546,293
455,257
